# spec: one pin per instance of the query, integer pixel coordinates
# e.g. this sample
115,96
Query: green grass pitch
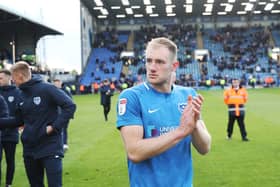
96,157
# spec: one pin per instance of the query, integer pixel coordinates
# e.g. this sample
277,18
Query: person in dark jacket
58,83
106,93
9,137
4,112
41,137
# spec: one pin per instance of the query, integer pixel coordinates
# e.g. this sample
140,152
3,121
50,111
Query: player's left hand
196,105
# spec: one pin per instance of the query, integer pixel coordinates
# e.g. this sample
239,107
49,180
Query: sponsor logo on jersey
153,131
122,106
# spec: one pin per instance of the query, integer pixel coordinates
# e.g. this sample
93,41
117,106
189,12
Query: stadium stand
234,52
104,61
237,51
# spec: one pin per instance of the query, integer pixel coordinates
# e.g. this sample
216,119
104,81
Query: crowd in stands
102,65
244,46
243,50
109,39
106,57
183,35
186,80
275,30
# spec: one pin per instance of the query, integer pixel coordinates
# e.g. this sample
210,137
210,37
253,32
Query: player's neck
163,88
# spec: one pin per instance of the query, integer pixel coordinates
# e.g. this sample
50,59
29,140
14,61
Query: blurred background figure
95,87
58,83
9,137
106,92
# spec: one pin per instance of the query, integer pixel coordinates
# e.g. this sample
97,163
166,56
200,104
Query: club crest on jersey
36,100
11,99
122,106
181,106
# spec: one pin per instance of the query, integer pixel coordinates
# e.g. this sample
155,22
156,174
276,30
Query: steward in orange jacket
235,98
95,87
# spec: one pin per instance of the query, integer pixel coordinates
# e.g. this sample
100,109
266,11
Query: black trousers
10,150
240,121
35,171
65,134
106,110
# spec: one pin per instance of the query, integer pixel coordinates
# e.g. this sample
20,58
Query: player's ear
176,65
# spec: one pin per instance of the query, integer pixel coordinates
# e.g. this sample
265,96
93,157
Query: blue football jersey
158,113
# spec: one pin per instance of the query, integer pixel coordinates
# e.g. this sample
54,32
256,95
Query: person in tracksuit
235,98
9,137
105,97
41,137
58,83
4,112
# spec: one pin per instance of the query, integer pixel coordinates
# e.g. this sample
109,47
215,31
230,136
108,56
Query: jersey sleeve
128,109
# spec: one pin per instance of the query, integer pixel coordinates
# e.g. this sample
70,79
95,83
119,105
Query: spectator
105,95
95,86
58,83
4,112
9,137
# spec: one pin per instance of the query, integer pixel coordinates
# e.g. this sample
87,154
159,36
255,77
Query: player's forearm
201,138
150,147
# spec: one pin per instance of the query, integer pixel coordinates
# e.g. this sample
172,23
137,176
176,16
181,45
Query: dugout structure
19,34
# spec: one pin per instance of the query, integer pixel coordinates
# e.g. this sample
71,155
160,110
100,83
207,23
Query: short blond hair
21,67
170,45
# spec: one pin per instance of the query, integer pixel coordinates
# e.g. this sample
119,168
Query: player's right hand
188,118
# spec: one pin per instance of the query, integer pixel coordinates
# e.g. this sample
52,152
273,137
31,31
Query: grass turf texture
96,157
